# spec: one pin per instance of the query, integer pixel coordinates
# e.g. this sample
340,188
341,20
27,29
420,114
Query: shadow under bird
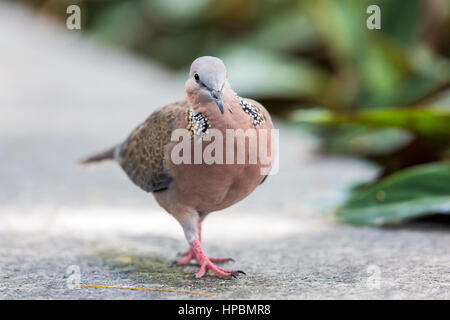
191,191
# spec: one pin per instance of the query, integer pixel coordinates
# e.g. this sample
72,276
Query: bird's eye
197,78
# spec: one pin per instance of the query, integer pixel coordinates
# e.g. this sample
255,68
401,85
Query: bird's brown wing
142,154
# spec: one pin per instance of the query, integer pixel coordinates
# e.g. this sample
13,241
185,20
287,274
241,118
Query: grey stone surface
63,96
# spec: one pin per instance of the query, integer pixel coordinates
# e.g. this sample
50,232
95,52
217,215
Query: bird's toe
221,260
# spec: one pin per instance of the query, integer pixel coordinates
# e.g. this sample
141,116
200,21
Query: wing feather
141,155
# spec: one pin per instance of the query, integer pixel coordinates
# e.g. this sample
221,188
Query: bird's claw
235,273
227,274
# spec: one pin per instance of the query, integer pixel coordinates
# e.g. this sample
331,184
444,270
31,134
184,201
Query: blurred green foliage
413,192
292,53
380,94
395,138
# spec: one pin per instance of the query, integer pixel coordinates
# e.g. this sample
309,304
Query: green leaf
427,122
411,193
177,10
269,74
364,141
400,22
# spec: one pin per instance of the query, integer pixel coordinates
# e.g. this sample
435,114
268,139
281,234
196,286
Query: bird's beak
218,98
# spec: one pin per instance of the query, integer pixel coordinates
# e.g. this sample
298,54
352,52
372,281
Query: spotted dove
190,191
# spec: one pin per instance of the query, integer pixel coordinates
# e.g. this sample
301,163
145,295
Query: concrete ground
62,97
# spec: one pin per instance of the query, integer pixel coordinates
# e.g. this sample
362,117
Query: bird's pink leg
189,255
206,263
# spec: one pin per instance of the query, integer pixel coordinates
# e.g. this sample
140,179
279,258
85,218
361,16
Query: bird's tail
101,156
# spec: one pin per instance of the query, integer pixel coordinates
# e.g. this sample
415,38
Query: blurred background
364,119
383,95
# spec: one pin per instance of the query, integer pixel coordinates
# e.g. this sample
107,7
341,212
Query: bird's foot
207,263
189,256
221,260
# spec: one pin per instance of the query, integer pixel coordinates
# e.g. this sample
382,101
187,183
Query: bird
191,191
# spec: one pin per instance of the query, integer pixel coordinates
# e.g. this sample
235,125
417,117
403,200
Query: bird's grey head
209,75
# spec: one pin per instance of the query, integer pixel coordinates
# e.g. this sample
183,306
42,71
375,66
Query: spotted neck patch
252,110
197,123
